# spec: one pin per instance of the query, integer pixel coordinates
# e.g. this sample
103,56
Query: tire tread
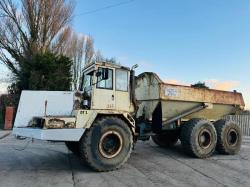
187,130
86,141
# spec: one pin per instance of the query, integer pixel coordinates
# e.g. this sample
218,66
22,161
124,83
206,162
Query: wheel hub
204,139
110,144
232,137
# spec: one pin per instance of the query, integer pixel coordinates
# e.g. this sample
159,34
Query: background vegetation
39,47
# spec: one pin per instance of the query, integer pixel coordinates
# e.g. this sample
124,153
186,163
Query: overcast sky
184,41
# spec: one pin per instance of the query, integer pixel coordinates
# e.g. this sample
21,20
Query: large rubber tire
229,137
107,145
167,139
73,147
198,138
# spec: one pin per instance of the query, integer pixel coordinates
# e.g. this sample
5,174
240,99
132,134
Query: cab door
104,92
122,90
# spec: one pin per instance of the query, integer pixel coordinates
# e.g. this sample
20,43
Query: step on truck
113,109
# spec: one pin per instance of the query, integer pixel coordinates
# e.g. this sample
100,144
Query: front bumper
50,134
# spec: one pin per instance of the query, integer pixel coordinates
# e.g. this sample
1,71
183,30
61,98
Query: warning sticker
171,92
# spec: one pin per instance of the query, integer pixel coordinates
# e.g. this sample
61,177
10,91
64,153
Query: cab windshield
87,81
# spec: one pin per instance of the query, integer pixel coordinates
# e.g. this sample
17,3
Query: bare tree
98,56
75,49
80,48
89,50
37,26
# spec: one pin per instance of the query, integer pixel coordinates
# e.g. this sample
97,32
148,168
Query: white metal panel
32,103
50,134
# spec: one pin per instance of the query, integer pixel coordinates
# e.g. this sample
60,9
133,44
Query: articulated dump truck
114,108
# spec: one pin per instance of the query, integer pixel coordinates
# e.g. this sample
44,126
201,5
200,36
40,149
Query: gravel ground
26,163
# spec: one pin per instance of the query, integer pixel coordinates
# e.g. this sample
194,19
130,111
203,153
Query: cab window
87,81
105,84
121,80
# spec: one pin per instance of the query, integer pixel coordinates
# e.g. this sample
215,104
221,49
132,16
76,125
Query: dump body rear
172,102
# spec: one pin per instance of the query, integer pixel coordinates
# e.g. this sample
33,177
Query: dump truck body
177,101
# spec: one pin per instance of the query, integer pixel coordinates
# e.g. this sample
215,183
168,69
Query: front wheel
107,145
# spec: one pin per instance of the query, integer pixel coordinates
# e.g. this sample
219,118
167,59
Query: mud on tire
229,137
198,138
107,145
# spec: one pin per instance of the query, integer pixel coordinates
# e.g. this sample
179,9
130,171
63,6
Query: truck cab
105,90
106,87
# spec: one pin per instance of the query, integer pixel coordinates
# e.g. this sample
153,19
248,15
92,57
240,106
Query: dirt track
50,164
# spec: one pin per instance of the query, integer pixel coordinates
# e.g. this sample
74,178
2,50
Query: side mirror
104,74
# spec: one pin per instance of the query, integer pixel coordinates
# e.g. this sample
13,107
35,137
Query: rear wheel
198,138
107,145
166,139
229,137
73,147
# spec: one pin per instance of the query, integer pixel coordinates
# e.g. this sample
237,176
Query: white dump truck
114,108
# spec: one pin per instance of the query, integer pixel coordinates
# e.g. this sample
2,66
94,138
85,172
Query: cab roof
106,64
